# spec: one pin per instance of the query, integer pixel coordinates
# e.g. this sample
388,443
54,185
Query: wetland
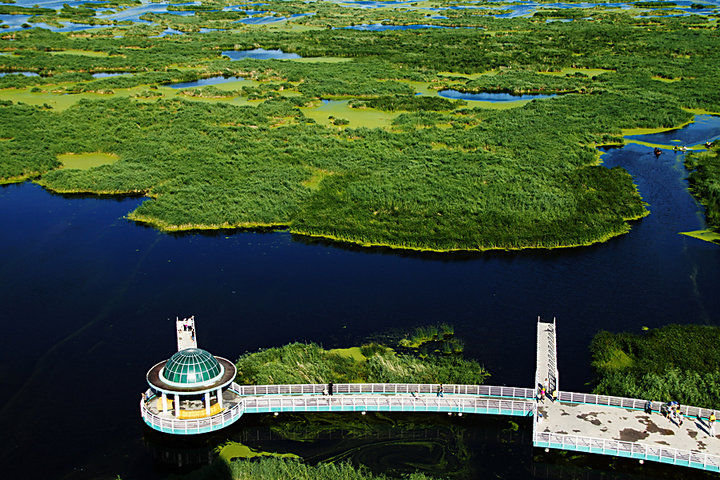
298,172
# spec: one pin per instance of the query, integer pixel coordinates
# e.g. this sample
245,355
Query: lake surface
89,301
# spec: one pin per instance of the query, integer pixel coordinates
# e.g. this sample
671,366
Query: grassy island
372,363
704,182
675,362
401,165
427,355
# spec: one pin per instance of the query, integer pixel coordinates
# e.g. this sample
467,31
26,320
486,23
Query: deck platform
186,333
626,425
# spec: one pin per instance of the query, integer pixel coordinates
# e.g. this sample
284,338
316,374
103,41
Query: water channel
89,300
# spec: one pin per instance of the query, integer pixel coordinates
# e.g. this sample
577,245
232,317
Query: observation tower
193,391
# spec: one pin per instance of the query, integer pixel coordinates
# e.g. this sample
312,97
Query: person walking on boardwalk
330,388
711,422
440,391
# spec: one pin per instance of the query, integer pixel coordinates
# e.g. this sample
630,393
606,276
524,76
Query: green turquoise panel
191,366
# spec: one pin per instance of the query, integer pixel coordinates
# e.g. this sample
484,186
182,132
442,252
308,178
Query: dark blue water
88,301
490,97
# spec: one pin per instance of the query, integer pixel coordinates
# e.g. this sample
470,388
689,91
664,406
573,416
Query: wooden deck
186,333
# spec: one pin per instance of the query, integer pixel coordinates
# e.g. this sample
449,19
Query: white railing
622,402
546,355
192,426
352,397
384,388
620,448
405,403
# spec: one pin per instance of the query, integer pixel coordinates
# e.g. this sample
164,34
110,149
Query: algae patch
705,235
234,450
86,161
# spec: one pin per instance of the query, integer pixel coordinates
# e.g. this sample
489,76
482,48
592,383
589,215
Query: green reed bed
675,362
403,171
275,468
704,182
310,363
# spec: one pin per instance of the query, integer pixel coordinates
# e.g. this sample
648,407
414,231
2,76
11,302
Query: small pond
204,82
26,74
259,54
490,97
110,74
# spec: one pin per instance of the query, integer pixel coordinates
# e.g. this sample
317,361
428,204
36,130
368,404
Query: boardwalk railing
385,389
365,403
193,426
622,402
352,397
634,450
476,399
546,355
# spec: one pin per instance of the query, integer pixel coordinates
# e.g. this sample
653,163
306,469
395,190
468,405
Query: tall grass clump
675,362
310,363
704,182
276,469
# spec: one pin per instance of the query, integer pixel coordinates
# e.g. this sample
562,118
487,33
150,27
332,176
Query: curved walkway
349,397
576,421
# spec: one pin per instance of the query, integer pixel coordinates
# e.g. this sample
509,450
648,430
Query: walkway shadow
702,427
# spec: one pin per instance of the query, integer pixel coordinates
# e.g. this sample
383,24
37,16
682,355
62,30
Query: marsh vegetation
404,171
372,363
675,362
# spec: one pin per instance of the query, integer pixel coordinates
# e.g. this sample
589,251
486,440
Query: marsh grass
524,177
309,363
675,362
275,469
704,180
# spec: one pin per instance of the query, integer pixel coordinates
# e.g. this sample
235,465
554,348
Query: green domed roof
190,367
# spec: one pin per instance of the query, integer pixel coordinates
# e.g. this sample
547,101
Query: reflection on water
438,445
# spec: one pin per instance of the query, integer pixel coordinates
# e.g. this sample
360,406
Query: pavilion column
164,402
177,405
219,397
207,403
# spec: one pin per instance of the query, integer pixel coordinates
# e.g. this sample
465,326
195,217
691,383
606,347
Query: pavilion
191,390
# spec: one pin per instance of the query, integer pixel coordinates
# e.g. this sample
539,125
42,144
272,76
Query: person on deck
711,424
